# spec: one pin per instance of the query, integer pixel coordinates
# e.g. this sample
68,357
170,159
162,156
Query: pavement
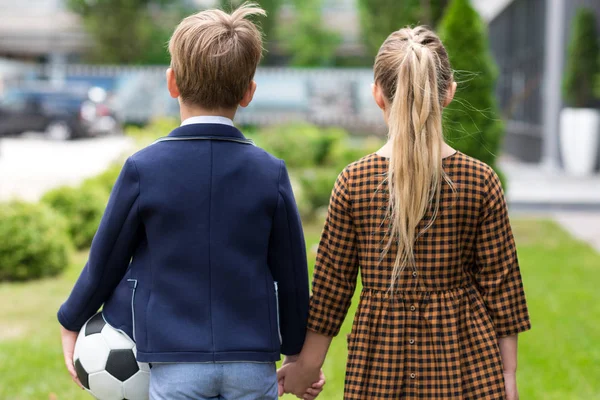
584,226
31,166
574,202
532,187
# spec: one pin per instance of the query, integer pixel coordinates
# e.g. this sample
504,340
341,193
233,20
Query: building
40,31
529,40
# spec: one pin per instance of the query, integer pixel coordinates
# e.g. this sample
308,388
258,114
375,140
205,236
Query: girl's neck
386,151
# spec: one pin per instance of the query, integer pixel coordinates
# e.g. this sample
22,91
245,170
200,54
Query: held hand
298,379
280,381
68,343
510,383
316,389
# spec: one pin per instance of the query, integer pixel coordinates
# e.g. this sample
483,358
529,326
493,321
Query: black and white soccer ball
106,365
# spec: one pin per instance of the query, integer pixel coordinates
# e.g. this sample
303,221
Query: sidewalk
572,202
531,187
30,166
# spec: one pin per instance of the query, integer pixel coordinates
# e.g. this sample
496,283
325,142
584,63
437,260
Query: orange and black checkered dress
436,336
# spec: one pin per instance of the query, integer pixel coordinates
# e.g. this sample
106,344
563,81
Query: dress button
413,376
411,341
415,274
413,308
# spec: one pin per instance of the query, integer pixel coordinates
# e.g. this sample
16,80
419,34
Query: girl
442,300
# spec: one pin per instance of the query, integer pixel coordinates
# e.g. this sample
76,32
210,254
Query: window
14,101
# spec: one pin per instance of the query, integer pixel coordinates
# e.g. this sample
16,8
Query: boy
200,256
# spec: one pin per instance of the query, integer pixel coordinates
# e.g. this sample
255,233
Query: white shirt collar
207,119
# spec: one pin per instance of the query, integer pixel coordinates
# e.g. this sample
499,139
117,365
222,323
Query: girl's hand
316,389
68,343
298,379
510,383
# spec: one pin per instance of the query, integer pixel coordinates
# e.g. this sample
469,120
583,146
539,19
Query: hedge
33,242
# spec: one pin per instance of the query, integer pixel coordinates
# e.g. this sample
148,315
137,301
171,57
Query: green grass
559,358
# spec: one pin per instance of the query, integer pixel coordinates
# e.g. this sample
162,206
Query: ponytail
415,174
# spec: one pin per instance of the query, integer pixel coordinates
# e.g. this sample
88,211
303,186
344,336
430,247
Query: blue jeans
223,381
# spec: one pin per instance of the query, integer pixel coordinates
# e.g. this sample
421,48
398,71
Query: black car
61,113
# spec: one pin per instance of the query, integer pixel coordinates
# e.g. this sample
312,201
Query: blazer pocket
277,312
133,286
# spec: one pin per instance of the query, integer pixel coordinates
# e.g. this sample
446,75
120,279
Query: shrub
583,63
33,242
317,184
472,122
82,207
300,145
105,180
346,152
302,202
155,129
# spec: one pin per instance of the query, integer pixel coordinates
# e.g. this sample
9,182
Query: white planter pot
579,136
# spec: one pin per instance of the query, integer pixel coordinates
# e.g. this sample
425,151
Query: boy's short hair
214,56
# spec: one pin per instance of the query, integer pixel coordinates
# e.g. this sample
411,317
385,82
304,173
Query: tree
472,122
583,63
267,24
307,40
128,31
379,18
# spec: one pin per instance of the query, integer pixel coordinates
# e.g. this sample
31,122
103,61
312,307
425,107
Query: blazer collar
215,130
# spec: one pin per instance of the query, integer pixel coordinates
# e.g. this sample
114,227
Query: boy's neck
189,112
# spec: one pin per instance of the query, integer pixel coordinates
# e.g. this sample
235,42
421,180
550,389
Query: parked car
62,113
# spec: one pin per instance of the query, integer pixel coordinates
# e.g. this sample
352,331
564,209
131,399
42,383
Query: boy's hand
68,343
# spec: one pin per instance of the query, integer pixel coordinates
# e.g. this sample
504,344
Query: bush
317,184
155,129
346,152
472,122
583,63
300,145
302,202
82,207
33,242
105,180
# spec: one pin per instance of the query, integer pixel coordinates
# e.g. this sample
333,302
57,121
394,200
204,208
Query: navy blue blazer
200,254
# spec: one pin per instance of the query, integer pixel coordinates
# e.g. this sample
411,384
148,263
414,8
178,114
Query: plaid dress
436,336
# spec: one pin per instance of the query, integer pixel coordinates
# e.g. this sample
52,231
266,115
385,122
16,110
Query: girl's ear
172,84
450,95
378,96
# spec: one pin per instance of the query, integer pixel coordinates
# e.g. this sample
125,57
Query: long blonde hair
413,71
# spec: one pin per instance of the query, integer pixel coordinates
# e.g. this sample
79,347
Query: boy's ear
378,96
172,84
249,95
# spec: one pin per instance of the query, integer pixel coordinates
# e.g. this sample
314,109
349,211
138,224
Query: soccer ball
106,365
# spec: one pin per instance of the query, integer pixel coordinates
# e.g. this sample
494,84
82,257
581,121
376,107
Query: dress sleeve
336,268
497,268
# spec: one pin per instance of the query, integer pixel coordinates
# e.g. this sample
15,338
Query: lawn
559,358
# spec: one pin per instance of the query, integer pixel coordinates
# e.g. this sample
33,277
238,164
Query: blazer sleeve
110,253
336,268
497,268
287,261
